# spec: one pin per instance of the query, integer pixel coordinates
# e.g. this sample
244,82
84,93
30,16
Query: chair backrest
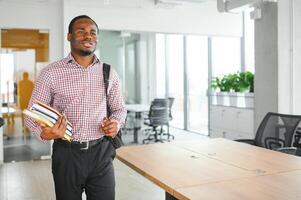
277,130
159,112
170,104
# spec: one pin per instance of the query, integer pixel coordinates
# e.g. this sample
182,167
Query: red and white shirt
79,93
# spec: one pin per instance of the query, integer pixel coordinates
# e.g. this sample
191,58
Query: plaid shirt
78,93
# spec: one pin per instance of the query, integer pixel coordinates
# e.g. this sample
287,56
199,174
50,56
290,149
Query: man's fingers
63,123
57,124
109,126
43,126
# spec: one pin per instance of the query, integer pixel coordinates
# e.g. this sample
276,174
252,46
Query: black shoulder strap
106,74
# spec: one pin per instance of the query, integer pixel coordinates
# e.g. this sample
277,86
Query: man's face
83,38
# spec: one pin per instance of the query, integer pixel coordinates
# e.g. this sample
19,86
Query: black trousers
91,170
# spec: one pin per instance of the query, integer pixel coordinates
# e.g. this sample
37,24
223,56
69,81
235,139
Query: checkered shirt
79,93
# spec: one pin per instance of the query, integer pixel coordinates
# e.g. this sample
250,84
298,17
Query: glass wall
175,66
160,66
119,49
170,59
197,73
184,60
226,56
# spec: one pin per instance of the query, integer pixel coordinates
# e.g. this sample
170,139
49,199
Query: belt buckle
86,147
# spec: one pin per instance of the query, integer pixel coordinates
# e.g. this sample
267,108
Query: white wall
143,15
289,41
30,14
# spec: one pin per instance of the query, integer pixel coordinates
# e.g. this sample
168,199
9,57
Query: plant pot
222,99
233,98
249,100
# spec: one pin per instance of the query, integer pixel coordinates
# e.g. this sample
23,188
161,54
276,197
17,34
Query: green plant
223,84
237,82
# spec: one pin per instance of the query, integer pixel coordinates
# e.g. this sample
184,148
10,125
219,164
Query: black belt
85,145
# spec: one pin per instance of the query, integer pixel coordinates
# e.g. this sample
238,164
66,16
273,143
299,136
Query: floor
33,181
22,146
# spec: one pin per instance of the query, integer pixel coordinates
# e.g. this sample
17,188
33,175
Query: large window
160,66
226,56
197,73
182,72
174,64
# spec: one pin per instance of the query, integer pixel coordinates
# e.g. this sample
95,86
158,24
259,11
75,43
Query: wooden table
138,109
216,169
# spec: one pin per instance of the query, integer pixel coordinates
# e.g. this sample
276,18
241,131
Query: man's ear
69,37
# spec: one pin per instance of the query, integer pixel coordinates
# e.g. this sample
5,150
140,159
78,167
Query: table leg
169,196
137,126
136,130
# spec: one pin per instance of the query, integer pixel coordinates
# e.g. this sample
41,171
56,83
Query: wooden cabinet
231,122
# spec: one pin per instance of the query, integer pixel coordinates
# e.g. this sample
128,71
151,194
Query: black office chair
297,141
276,132
158,117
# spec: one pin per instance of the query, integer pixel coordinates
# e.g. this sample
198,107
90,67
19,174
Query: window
174,59
225,55
197,73
160,66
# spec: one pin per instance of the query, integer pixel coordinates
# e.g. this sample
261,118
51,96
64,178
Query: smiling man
75,87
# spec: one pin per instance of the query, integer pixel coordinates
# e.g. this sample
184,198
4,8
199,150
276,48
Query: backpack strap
106,74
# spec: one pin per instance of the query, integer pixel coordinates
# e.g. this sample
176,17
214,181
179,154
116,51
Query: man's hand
110,127
55,132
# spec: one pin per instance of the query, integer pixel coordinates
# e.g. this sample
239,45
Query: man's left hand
110,127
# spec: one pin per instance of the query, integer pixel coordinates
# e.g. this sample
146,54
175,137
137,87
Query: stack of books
44,114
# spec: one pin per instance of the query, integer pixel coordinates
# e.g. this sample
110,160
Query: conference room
210,87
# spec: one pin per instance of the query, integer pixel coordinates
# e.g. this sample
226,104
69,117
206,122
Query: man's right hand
55,132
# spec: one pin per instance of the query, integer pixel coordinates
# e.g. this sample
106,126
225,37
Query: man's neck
84,61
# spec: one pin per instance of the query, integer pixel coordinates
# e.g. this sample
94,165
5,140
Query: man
75,87
25,88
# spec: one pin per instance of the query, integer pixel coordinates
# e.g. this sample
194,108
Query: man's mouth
88,44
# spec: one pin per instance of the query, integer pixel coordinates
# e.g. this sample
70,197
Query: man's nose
87,35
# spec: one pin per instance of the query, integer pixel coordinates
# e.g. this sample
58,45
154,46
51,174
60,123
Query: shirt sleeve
42,92
115,99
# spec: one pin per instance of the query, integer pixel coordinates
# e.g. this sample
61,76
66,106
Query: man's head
25,75
83,35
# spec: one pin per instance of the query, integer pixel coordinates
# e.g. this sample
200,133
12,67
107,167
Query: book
48,116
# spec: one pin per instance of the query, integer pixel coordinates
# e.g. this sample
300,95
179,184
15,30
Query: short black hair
80,17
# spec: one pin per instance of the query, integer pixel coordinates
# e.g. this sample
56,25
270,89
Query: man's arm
43,91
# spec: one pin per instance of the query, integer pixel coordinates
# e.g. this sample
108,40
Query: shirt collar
70,59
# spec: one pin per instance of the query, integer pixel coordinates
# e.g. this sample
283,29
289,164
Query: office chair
276,132
297,141
158,117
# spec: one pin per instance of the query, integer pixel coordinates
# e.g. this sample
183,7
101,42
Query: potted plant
223,86
232,88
